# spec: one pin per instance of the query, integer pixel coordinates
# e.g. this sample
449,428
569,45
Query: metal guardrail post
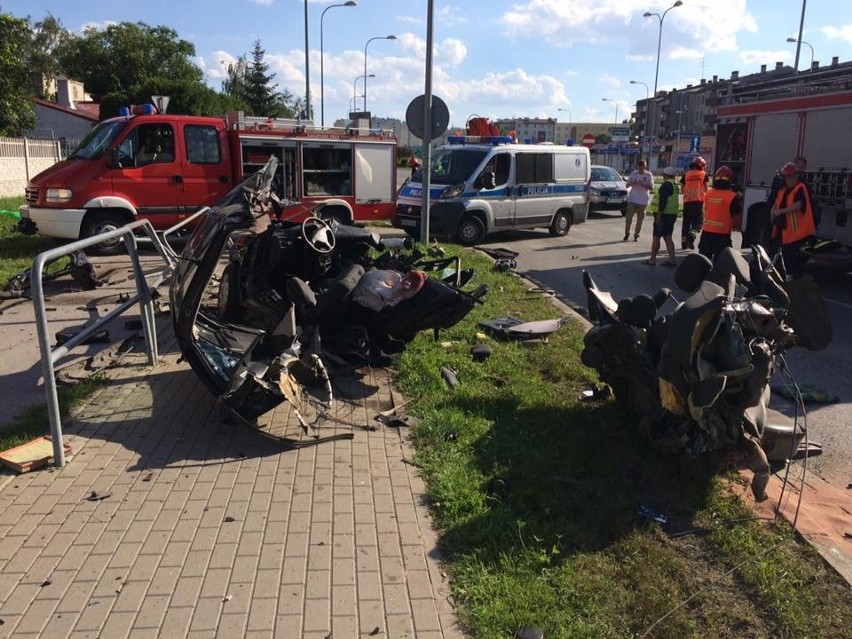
143,298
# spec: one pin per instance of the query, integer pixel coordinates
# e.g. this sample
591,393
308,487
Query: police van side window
202,144
498,166
534,168
502,162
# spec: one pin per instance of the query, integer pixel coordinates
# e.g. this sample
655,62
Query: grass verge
16,250
536,496
34,421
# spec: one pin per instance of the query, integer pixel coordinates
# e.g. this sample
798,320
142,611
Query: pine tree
260,93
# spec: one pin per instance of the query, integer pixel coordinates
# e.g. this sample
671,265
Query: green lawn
536,496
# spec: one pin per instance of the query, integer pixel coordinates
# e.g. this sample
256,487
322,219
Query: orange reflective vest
694,185
717,211
801,224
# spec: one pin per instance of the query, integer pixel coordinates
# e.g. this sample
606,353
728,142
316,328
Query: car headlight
595,191
56,196
451,192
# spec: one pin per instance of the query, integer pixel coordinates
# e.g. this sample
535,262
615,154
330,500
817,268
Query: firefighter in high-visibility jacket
792,217
694,186
723,212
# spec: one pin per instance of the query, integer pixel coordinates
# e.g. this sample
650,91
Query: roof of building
86,110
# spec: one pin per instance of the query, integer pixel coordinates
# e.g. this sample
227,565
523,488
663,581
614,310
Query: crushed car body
698,377
297,302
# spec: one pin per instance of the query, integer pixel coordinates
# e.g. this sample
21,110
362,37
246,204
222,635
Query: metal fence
143,299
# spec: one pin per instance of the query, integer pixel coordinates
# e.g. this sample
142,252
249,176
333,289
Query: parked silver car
607,190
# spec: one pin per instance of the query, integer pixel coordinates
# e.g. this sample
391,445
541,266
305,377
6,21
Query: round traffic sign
588,140
440,117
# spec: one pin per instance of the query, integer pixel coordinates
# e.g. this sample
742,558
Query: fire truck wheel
561,224
229,306
102,222
471,230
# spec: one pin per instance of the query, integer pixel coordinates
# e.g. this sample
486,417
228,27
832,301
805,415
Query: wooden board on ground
34,454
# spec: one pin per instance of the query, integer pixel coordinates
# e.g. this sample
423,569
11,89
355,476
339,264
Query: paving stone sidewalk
168,522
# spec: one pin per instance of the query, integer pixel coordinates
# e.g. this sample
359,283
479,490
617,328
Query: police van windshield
451,166
98,140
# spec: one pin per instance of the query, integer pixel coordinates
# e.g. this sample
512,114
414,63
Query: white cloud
451,52
98,26
264,3
450,16
609,80
839,33
764,57
689,30
215,65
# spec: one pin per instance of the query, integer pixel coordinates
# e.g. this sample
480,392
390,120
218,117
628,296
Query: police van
480,185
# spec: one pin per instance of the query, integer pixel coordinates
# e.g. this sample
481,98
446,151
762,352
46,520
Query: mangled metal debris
698,376
78,267
299,301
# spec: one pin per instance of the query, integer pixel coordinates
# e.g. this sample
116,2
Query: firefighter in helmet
723,212
792,217
694,185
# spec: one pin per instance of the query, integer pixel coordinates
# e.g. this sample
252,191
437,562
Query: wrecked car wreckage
698,377
299,302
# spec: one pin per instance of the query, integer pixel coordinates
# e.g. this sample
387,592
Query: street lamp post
679,112
570,117
659,17
388,37
307,68
810,46
615,122
348,3
615,102
647,105
355,91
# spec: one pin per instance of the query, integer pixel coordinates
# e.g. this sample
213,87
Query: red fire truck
756,138
144,164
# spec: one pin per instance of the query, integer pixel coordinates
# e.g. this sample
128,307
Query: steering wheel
318,235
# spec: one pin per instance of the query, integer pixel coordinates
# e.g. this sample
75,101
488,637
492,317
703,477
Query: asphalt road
596,246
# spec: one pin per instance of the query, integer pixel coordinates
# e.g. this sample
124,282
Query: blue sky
496,58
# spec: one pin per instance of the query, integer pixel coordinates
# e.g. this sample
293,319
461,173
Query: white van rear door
374,173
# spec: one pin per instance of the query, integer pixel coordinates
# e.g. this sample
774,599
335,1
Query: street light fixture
348,3
615,122
354,90
307,69
615,102
659,17
683,109
570,117
647,104
810,46
389,37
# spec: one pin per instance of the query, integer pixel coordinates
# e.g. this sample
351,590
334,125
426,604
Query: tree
260,93
48,39
122,58
17,113
251,83
603,138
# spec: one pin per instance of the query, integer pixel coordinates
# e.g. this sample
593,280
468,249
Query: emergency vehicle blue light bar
480,139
